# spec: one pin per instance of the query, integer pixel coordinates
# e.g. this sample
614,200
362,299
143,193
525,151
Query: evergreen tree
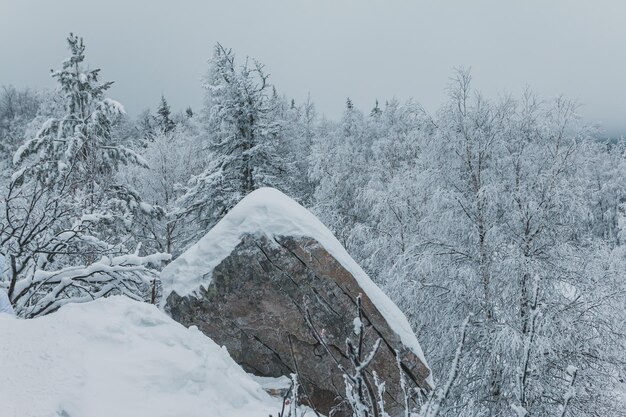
146,125
163,117
241,138
64,209
376,111
78,144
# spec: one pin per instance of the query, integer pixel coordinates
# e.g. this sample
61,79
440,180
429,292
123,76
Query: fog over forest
334,50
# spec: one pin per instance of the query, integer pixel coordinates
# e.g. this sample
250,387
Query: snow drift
118,357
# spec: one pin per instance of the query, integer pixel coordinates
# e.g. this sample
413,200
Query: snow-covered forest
507,211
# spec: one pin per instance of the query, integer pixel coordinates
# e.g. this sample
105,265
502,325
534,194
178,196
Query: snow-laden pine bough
66,225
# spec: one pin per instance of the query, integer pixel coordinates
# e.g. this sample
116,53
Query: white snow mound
269,212
118,357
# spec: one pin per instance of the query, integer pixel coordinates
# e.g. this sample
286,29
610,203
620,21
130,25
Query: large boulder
253,280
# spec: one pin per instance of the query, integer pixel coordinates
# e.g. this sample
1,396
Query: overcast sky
332,48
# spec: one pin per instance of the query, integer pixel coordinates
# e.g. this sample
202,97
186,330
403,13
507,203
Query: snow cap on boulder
269,212
256,281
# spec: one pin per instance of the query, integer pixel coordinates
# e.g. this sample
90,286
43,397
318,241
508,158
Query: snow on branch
47,291
571,371
433,406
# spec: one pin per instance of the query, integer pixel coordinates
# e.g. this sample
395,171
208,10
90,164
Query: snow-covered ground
116,357
269,212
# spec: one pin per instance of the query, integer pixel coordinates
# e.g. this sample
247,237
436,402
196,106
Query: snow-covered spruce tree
148,125
241,139
66,221
164,117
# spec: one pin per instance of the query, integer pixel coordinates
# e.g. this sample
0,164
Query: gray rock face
256,304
